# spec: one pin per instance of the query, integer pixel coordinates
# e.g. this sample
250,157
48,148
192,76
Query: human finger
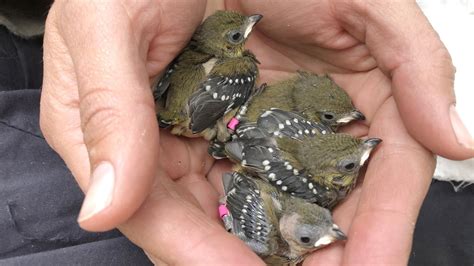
177,231
395,184
114,106
420,68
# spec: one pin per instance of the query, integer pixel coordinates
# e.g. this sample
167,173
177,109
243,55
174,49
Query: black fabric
116,251
26,9
444,233
21,62
39,199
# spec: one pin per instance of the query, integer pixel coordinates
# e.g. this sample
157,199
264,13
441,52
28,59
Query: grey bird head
307,227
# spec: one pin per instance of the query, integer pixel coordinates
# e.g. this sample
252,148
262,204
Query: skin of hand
97,112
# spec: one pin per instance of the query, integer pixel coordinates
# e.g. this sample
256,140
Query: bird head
320,99
224,33
306,227
335,159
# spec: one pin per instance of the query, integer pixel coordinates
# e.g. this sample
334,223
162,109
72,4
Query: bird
315,97
281,229
307,96
214,75
300,158
271,123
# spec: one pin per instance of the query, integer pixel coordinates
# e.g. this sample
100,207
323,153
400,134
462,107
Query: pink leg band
232,123
223,211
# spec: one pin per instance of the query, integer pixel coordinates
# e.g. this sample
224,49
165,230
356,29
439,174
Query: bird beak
369,145
338,233
354,115
372,143
324,241
334,235
251,21
357,115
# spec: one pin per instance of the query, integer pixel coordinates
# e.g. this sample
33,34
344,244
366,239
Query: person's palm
380,214
284,42
178,223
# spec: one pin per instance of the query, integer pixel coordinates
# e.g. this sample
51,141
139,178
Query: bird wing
262,157
178,82
250,222
279,122
276,122
163,83
279,168
250,130
219,94
247,131
252,153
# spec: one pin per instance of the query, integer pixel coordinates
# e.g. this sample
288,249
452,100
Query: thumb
116,109
406,46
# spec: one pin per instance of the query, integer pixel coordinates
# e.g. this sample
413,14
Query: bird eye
235,37
328,116
349,166
305,239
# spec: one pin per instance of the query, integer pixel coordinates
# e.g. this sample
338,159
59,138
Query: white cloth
454,22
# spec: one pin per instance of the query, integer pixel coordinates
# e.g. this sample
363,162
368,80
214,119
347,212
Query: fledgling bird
305,96
314,165
214,75
315,97
281,229
271,123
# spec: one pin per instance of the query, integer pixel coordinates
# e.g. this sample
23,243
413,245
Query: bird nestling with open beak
281,229
212,77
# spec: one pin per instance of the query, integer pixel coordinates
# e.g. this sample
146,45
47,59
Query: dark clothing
39,199
444,233
25,18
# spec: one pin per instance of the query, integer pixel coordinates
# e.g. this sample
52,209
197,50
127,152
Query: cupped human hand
399,74
97,112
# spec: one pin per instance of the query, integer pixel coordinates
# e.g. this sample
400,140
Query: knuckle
100,115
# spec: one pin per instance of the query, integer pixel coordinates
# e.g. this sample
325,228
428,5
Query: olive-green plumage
279,228
210,79
315,97
321,168
331,160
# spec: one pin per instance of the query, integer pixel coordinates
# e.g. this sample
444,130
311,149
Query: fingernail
462,134
100,193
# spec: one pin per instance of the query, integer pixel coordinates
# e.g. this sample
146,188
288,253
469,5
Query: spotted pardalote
305,96
315,97
214,75
299,157
280,229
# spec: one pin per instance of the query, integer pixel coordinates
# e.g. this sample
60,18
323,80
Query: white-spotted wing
285,123
216,96
262,157
164,83
250,222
